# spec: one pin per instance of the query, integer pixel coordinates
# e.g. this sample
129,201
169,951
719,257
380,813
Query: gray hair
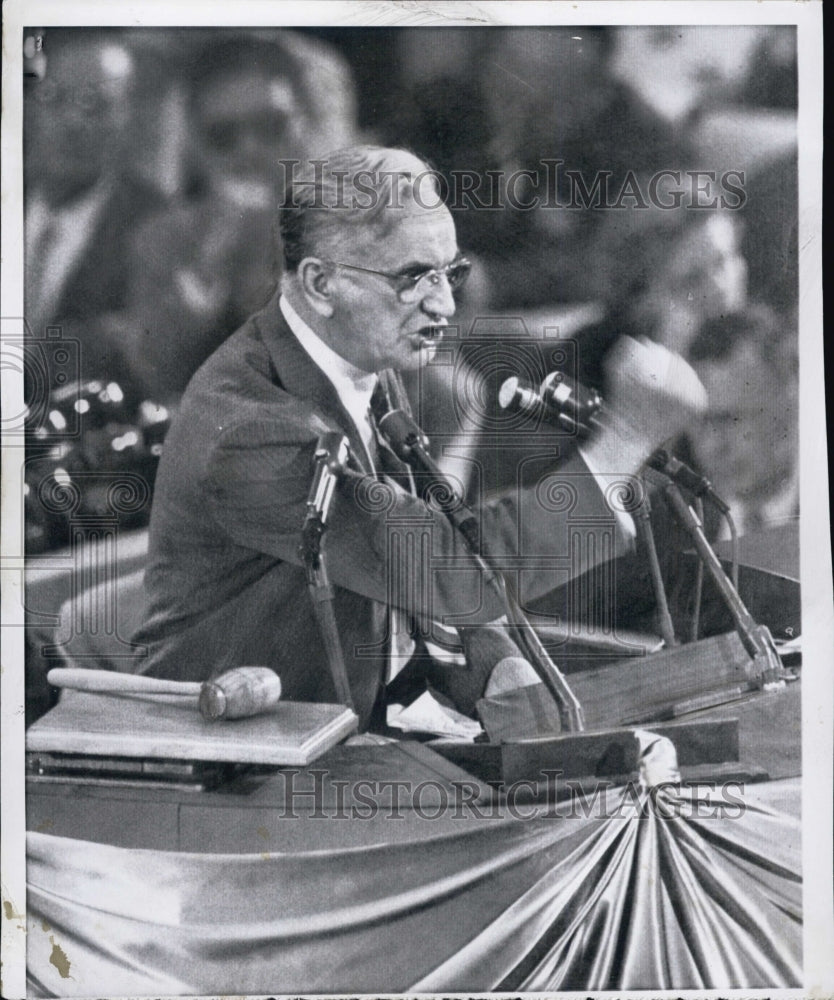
360,188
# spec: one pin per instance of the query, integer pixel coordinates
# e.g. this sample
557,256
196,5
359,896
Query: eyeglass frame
414,280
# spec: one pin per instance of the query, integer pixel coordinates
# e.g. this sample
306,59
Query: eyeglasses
411,284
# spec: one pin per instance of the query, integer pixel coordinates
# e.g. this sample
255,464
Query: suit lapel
299,375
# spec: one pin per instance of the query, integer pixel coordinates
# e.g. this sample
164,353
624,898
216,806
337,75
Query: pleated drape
662,889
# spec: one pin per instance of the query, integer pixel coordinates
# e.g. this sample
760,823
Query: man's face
375,329
674,69
247,122
76,117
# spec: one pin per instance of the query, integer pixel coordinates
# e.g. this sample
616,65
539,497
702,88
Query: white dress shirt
56,240
353,386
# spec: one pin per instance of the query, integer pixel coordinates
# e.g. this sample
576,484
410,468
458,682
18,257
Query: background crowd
152,177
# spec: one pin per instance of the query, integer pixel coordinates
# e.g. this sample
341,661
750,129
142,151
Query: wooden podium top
106,725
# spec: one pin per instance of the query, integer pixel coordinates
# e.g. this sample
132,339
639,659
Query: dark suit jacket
224,579
230,252
95,286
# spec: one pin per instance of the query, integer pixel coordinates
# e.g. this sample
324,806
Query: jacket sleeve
390,546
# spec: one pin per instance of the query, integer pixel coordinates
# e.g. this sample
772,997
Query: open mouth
428,335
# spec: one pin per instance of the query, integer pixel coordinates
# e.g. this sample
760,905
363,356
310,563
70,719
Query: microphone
410,445
574,408
330,459
680,473
406,439
558,400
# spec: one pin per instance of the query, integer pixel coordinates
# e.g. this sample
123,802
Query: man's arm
390,546
381,541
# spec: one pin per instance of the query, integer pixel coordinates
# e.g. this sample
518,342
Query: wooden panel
612,753
641,690
290,733
615,752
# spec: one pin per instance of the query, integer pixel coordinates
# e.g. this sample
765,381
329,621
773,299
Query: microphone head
402,434
569,397
557,387
508,392
518,395
558,400
334,449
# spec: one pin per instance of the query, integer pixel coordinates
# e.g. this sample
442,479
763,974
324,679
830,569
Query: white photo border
816,573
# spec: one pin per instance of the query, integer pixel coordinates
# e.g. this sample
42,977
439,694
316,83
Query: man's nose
439,299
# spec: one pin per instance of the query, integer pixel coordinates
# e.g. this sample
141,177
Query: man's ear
317,285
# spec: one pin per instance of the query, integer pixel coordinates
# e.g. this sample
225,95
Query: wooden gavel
237,694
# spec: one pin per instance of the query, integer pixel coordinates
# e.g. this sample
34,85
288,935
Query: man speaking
371,264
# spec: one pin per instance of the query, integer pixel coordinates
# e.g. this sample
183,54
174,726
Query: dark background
151,183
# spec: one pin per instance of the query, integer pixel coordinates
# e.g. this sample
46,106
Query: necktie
387,464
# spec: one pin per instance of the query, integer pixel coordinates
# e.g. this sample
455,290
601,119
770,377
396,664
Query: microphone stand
765,663
411,446
699,581
576,409
315,566
642,522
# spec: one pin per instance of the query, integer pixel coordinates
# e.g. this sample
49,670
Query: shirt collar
352,385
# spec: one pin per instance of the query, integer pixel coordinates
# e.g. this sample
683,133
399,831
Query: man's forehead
422,235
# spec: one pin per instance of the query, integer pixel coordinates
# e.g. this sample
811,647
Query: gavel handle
111,682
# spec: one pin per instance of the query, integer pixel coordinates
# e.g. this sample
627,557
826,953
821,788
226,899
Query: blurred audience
204,263
641,100
82,199
748,443
152,176
684,70
83,93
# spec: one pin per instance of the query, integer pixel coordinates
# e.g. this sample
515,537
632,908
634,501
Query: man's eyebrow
409,265
423,265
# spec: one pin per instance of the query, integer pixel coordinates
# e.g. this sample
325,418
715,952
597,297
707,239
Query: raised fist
652,395
653,390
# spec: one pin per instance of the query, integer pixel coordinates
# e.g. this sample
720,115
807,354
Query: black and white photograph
416,563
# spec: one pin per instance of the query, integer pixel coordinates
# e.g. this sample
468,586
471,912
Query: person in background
84,93
81,200
83,90
748,442
664,279
201,267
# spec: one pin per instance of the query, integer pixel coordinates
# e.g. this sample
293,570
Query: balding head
353,197
371,254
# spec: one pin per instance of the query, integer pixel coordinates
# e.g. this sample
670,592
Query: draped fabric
672,888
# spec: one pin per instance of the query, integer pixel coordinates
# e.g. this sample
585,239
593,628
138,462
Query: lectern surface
289,733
